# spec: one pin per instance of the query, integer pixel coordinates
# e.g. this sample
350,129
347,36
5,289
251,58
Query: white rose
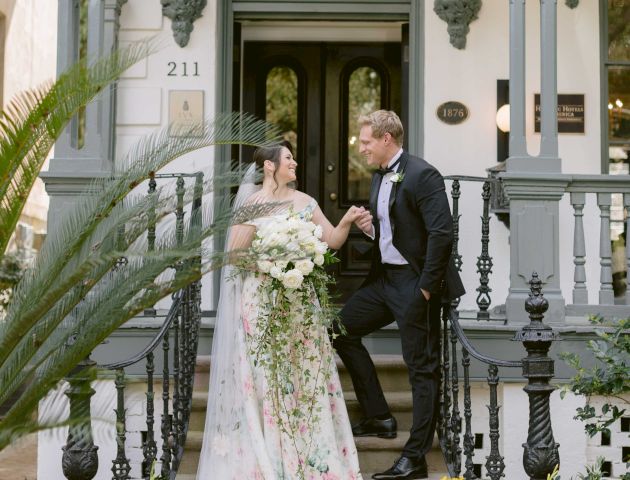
281,264
319,259
321,247
271,239
309,247
292,247
283,239
292,279
264,265
304,266
276,272
318,232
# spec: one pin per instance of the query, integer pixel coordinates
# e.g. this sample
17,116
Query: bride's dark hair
273,154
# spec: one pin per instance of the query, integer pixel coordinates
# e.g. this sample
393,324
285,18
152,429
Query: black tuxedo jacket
422,226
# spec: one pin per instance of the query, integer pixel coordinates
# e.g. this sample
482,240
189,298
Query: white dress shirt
389,254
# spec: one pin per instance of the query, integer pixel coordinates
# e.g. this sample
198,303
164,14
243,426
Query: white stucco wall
470,76
30,60
144,90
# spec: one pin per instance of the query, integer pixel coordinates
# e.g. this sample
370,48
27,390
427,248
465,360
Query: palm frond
33,121
135,219
125,293
68,247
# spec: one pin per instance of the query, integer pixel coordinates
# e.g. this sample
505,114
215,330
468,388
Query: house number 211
184,70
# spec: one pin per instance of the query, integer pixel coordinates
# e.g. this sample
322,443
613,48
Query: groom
410,222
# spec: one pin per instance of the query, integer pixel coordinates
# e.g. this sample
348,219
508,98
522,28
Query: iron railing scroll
177,338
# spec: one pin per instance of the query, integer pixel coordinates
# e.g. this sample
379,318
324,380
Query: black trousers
395,296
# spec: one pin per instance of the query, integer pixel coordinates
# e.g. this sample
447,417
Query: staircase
375,454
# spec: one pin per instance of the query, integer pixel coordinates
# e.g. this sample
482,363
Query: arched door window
281,104
364,96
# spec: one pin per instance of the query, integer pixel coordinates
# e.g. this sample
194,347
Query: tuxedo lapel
376,186
395,185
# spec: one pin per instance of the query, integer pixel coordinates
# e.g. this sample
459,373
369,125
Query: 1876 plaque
452,112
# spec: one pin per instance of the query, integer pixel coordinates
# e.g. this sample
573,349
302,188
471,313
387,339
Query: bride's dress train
249,434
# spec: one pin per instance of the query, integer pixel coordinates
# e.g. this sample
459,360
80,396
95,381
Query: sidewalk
19,461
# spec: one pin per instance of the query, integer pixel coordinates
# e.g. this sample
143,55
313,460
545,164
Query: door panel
336,82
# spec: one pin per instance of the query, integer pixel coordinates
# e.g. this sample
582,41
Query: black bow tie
383,171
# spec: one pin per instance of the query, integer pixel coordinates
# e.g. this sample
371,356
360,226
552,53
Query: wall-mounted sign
570,113
452,112
185,112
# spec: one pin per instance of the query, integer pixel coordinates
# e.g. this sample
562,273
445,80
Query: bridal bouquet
288,339
289,250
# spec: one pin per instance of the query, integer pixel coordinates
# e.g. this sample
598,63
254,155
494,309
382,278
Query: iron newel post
540,454
80,457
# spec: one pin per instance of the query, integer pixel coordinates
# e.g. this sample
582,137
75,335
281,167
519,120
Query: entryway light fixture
503,118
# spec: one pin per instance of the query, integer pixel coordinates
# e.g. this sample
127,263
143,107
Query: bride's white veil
226,422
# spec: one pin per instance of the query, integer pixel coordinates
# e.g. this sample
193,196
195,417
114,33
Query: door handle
333,196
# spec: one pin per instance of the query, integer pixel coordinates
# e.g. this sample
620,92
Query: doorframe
416,56
224,88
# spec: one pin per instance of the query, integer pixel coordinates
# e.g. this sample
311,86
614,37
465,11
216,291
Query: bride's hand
352,215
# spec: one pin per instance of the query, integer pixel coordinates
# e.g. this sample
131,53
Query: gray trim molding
183,14
359,10
415,122
458,14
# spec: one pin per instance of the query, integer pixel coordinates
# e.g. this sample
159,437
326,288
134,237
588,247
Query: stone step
375,454
392,373
400,404
366,476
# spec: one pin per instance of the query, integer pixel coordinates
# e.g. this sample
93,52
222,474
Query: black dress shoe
405,468
373,427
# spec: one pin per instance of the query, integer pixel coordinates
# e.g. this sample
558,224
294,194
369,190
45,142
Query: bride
275,407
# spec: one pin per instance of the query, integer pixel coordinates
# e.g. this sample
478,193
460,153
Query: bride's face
285,171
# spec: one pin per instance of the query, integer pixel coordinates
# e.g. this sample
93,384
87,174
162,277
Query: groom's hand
364,222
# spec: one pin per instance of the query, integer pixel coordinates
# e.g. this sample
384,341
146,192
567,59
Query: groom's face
375,150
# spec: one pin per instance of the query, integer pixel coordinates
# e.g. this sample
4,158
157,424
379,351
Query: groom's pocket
417,311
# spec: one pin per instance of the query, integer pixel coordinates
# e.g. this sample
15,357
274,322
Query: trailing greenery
94,271
608,378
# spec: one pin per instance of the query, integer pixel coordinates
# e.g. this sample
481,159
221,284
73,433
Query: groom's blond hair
382,122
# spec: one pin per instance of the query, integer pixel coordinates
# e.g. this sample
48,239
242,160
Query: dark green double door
316,92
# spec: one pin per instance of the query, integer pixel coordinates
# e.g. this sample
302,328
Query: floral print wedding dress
257,429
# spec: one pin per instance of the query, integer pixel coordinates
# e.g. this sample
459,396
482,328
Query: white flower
319,259
221,445
264,265
321,247
397,177
276,272
292,279
318,232
304,266
292,246
281,264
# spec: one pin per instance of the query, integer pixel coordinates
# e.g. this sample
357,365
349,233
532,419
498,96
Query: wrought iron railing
177,339
484,260
541,450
